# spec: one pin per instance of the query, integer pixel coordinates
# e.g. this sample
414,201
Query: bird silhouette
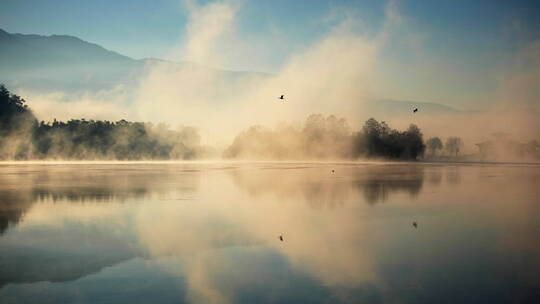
281,97
415,110
415,225
281,238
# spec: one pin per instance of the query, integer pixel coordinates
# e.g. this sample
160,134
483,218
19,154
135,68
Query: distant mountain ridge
69,64
31,51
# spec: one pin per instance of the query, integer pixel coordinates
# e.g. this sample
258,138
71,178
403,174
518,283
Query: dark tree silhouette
453,145
328,137
22,137
320,138
379,140
433,145
16,123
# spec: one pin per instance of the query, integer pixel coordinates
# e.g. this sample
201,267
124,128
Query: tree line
328,138
23,137
452,146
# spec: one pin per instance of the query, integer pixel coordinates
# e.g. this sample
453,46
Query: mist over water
337,73
208,232
189,180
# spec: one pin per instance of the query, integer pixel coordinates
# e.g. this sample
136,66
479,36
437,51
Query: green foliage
22,137
14,113
16,125
377,139
327,138
320,138
122,140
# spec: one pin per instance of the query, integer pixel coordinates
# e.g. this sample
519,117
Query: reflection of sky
172,233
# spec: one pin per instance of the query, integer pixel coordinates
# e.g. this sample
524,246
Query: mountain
61,63
30,51
70,65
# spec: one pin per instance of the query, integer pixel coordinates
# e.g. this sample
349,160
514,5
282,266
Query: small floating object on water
332,171
281,238
281,97
415,110
415,225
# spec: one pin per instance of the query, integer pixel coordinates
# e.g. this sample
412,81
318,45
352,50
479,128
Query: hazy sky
454,52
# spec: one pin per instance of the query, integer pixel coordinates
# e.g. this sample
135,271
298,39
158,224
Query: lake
209,233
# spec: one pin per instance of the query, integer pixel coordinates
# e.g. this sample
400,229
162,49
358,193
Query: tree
14,114
453,145
16,125
413,142
433,145
379,140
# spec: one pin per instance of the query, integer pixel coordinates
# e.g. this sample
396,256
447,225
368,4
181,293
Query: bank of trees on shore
452,146
23,137
328,138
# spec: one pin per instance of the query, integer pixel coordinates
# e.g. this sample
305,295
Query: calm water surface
209,233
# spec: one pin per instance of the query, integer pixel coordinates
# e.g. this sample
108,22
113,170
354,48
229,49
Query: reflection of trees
23,186
319,188
377,183
13,204
434,175
76,251
315,185
453,176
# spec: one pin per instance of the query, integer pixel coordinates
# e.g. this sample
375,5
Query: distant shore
284,162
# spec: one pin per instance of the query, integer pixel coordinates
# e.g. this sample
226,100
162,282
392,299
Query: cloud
208,27
335,74
103,104
332,75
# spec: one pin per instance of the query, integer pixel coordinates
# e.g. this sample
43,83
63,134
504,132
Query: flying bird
281,97
281,238
415,225
415,110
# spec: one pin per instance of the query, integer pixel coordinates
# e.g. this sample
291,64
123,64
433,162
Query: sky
451,52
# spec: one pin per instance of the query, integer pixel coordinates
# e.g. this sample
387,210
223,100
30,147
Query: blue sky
474,38
141,28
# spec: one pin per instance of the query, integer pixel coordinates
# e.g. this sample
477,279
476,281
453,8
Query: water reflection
22,186
68,223
434,176
209,233
453,175
320,188
379,183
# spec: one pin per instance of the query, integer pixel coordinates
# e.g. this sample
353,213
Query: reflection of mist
434,176
319,188
453,176
63,247
23,186
377,184
316,186
226,246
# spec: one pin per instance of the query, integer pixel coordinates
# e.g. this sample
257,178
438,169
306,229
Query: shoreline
221,161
